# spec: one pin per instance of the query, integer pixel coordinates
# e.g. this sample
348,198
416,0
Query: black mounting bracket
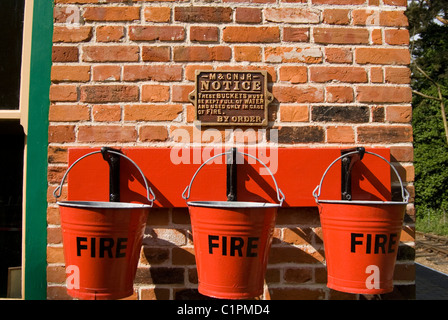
231,175
346,170
114,172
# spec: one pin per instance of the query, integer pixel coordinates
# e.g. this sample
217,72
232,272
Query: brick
181,93
74,73
399,114
398,75
294,113
400,56
339,2
157,14
384,134
63,93
57,155
152,72
153,133
161,275
110,53
69,113
341,35
340,74
339,94
376,75
155,93
292,255
338,55
296,293
111,13
109,93
202,53
63,15
56,274
106,113
396,36
65,54
298,216
203,14
297,236
165,237
55,254
292,15
340,134
153,33
183,256
108,133
379,18
295,34
108,72
251,34
402,3
109,33
247,136
190,70
377,36
248,53
293,54
347,114
155,294
154,255
71,34
297,94
336,16
362,17
302,134
54,176
152,112
298,275
160,54
377,114
380,94
294,74
204,34
248,15
61,133
393,19
400,153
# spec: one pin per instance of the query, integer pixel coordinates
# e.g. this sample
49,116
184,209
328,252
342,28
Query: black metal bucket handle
280,195
58,191
317,190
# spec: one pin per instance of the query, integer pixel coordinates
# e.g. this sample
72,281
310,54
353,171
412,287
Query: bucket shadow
364,173
250,173
130,174
296,258
167,257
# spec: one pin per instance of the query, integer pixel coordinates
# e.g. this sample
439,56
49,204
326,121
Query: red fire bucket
361,239
231,242
102,242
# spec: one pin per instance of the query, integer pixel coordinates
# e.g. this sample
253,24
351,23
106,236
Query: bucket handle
280,195
317,190
58,191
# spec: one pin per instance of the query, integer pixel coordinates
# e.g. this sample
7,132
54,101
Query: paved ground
430,284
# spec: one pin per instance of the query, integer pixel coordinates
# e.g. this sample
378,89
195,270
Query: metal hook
356,154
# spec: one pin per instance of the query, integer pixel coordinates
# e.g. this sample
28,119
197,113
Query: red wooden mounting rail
297,171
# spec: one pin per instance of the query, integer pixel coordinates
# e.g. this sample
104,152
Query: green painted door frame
35,228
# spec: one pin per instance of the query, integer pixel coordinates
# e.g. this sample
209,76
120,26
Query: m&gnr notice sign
231,98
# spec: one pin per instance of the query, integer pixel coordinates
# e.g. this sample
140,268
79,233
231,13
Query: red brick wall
339,72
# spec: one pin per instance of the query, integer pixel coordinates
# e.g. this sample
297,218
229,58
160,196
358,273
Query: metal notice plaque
231,98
